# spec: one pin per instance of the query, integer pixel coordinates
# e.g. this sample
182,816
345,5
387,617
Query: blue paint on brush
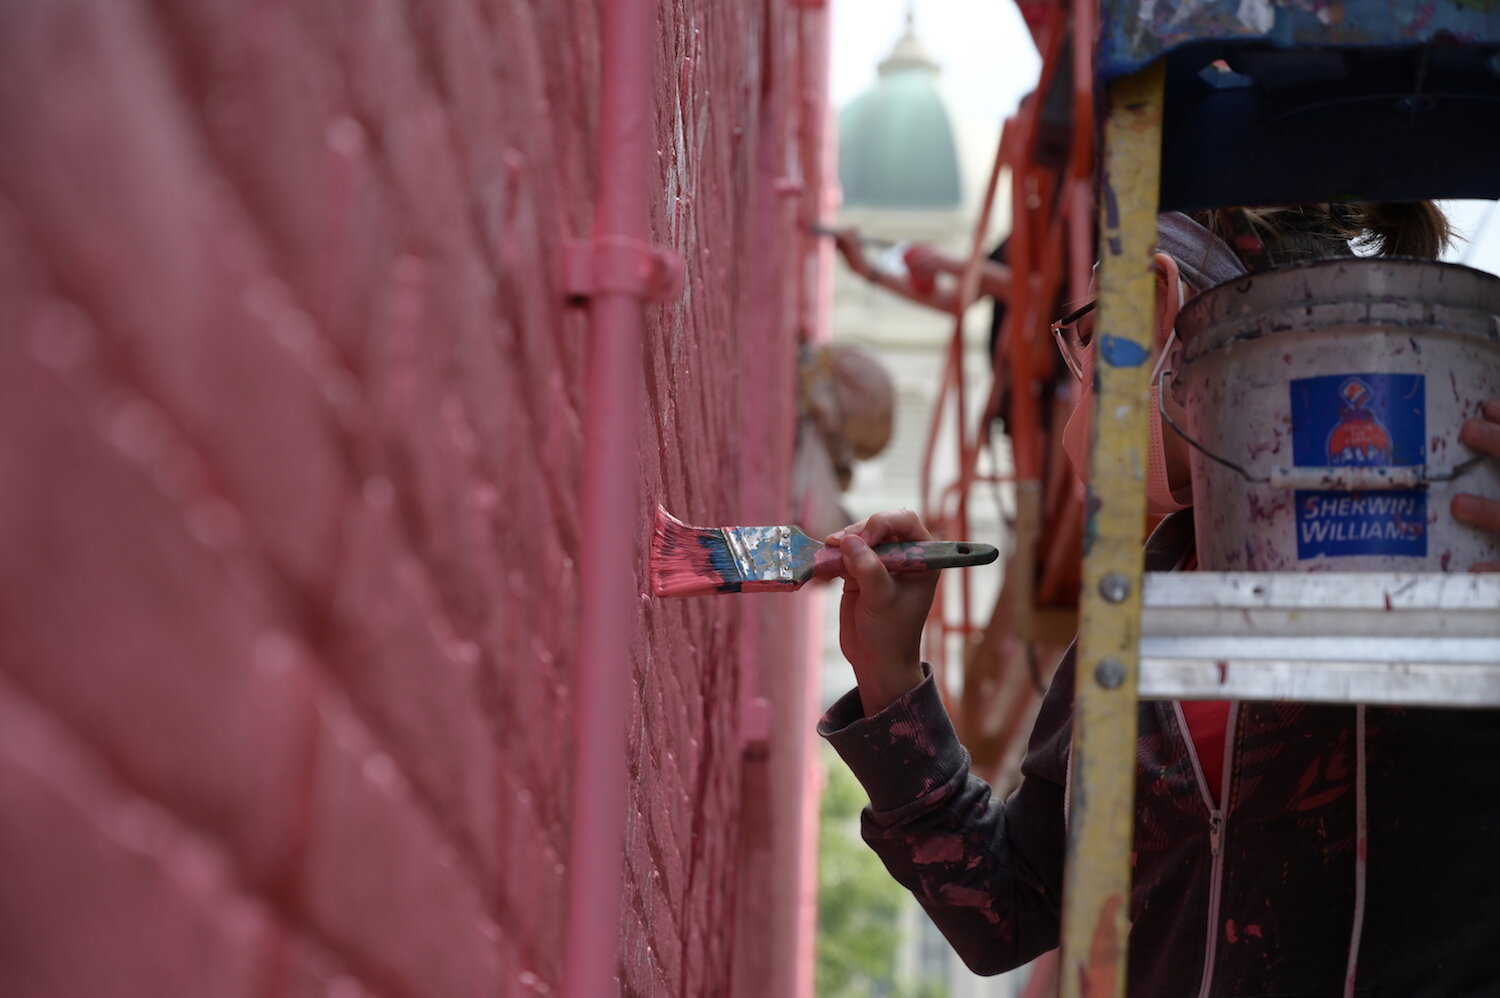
715,546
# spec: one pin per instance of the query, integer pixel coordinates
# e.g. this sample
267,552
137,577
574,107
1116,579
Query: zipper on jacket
1216,811
1215,887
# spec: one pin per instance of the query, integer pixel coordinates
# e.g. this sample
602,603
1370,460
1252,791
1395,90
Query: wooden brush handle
913,556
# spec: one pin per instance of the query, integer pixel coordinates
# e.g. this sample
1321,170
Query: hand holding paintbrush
881,616
694,561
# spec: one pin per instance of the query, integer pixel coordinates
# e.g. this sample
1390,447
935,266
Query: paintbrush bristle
691,561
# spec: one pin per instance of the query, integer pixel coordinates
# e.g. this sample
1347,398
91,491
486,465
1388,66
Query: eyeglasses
1073,337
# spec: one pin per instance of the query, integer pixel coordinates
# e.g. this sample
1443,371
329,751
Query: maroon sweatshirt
1252,893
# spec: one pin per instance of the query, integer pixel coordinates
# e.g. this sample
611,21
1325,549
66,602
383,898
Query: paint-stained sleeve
989,872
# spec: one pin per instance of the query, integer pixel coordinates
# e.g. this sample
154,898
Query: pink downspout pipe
819,140
611,513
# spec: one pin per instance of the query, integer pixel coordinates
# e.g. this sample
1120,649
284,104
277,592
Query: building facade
913,166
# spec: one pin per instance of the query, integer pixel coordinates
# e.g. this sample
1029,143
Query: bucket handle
1335,479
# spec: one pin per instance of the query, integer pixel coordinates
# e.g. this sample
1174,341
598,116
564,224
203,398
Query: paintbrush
874,242
696,561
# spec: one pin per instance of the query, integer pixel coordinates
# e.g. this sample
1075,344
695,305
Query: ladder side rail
1096,886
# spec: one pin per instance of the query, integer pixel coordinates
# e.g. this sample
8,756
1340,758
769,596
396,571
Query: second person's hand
1483,434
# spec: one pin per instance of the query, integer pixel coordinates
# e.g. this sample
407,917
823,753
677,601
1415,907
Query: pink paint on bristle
690,561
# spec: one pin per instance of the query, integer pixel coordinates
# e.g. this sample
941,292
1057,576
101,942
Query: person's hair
1319,231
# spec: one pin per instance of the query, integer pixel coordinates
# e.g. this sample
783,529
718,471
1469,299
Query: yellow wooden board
1096,891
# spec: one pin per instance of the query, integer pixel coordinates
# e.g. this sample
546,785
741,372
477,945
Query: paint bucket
1324,402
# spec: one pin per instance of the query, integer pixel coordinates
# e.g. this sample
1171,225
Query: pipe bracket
620,265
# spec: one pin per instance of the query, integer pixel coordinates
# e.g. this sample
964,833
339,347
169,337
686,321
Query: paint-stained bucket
1325,402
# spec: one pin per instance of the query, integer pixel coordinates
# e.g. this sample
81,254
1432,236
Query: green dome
897,147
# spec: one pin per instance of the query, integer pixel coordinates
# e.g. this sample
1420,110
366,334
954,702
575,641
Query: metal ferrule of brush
765,556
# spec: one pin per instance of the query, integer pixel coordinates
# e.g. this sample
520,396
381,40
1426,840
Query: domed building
908,145
913,163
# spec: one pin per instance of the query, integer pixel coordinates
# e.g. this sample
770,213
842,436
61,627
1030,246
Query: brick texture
291,429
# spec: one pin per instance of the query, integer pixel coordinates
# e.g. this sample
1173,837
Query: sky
989,63
987,56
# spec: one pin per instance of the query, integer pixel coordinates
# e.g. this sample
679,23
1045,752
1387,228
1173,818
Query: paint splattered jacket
1251,894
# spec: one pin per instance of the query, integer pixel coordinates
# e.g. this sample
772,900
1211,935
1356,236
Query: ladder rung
1418,639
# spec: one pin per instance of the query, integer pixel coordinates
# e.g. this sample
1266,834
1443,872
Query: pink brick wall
291,443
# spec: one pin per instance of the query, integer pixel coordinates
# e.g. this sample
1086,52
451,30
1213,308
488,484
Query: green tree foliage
859,905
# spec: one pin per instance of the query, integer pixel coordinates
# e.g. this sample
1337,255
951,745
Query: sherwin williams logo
1360,421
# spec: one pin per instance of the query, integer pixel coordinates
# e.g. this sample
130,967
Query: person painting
928,276
1246,876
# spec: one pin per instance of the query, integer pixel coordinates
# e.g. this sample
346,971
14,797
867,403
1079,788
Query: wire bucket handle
1334,479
